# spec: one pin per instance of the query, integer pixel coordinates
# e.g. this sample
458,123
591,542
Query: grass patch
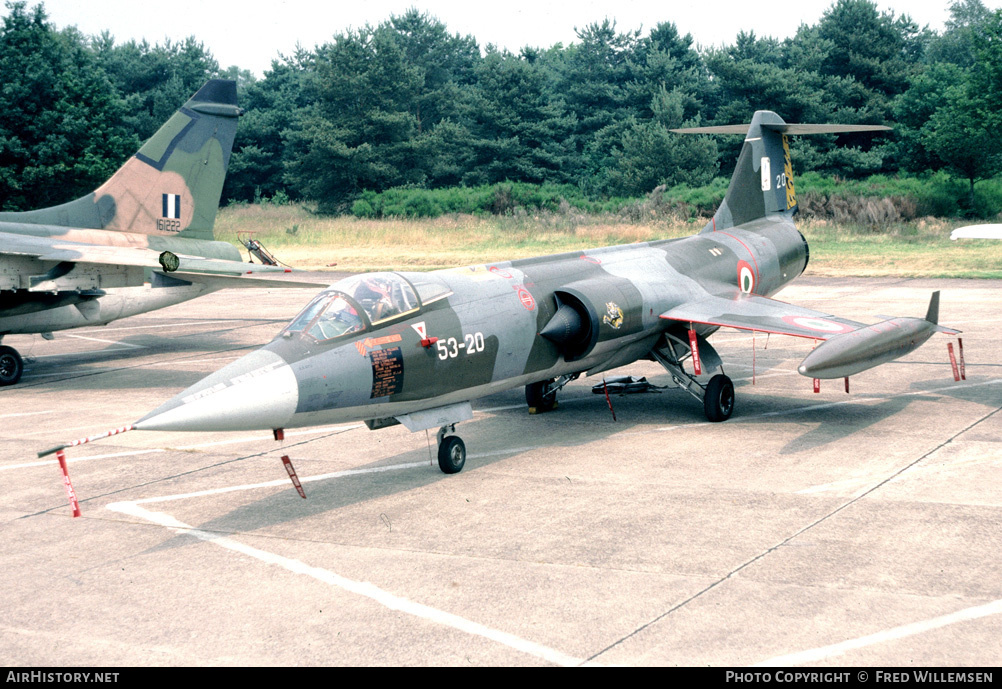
305,240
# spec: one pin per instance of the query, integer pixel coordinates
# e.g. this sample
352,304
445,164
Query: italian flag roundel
746,277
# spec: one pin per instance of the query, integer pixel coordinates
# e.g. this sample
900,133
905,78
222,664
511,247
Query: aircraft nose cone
256,392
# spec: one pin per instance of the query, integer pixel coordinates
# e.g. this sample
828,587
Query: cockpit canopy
359,302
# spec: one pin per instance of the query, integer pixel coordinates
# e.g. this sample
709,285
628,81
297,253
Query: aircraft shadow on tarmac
589,421
976,388
583,419
65,370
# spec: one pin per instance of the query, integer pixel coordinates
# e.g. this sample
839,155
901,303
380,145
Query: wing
218,272
752,312
977,232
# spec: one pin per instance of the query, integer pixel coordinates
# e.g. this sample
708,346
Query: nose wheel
451,451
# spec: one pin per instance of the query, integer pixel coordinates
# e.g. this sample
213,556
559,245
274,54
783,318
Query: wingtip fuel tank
858,350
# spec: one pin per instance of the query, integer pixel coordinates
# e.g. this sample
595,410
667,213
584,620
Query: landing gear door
437,418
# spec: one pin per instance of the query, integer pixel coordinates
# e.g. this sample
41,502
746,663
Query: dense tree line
406,103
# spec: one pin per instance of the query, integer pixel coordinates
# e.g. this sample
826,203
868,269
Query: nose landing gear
451,450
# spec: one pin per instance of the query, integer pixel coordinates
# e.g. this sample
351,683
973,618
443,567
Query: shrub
876,200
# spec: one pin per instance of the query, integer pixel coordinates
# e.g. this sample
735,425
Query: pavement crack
785,541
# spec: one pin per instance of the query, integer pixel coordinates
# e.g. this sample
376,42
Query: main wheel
11,366
451,454
538,401
718,402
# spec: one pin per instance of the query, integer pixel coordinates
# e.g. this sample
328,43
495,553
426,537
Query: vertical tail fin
932,315
172,185
762,183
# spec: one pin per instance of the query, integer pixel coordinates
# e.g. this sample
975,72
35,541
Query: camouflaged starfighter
416,348
141,241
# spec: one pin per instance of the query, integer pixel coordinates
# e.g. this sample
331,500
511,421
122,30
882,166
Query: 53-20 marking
449,349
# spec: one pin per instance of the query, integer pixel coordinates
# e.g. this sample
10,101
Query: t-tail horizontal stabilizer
762,183
849,353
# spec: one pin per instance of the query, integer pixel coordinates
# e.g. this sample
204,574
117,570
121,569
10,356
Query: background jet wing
977,232
752,312
190,268
243,280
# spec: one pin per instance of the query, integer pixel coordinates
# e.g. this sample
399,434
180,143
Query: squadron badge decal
613,315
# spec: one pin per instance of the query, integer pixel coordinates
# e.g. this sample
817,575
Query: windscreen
381,295
328,316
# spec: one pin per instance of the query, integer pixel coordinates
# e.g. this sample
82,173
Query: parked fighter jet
415,348
86,262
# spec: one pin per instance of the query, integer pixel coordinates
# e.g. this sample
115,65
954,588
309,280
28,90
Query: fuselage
456,335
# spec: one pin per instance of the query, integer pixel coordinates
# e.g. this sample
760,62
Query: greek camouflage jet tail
416,348
88,262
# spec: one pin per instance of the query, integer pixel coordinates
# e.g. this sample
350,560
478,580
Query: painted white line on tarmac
506,407
232,441
763,376
829,405
523,405
89,352
398,603
179,325
281,482
367,590
825,652
193,361
260,438
27,413
114,342
46,462
784,412
861,482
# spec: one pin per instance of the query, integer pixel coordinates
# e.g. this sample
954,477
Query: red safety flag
695,352
292,475
61,456
608,400
953,361
817,385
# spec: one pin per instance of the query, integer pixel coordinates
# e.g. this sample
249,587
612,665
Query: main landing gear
717,395
542,396
11,366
